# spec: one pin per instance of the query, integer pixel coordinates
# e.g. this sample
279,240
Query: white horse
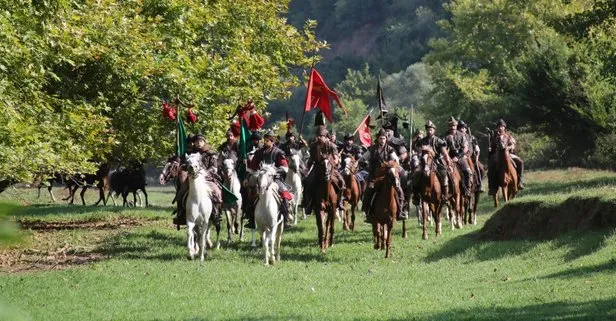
294,180
198,207
266,213
232,211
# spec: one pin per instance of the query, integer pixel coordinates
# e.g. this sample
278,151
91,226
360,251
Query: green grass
142,272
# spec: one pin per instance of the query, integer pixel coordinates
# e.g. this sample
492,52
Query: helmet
430,124
452,122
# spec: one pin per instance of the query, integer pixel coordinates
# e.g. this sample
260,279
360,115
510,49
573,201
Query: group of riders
458,148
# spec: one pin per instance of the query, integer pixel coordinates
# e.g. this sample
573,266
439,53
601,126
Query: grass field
106,263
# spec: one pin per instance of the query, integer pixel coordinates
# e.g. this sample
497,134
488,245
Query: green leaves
90,76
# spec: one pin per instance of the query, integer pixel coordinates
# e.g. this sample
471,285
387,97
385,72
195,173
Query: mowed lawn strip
141,272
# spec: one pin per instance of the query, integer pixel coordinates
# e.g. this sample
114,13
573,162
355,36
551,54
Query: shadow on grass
568,187
149,245
607,267
578,244
43,210
567,311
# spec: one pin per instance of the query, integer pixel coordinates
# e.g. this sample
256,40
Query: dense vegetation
83,80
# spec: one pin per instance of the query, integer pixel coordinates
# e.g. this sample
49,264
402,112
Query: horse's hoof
190,257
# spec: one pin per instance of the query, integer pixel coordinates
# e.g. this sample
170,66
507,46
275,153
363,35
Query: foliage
534,63
82,80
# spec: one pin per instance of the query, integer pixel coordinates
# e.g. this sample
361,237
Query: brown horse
470,206
385,207
455,202
324,203
100,179
352,193
506,172
430,191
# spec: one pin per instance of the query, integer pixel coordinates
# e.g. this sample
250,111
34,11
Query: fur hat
322,131
348,136
452,122
270,135
462,124
430,124
501,122
256,135
381,132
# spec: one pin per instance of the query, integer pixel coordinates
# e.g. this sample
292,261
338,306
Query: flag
319,95
244,147
180,138
364,132
381,99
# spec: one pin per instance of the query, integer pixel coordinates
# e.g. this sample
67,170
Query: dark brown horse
170,172
100,179
324,203
385,207
506,172
470,206
352,193
430,191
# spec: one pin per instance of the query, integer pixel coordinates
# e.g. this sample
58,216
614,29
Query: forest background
82,80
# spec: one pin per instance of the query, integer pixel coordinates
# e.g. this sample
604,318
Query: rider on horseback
270,154
376,155
196,144
458,147
349,149
320,150
506,136
209,158
230,148
473,152
441,159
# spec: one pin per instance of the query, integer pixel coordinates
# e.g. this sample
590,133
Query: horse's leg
265,241
495,197
190,226
330,227
424,209
83,191
253,243
436,212
353,208
53,199
474,211
405,233
390,229
319,220
229,216
279,240
505,191
375,234
145,194
203,231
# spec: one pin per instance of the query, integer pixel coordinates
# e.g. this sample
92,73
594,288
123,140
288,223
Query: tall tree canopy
82,80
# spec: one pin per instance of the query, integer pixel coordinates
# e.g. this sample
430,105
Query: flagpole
363,120
301,125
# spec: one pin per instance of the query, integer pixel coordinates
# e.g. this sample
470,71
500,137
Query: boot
402,212
216,212
251,220
445,192
285,210
180,217
341,202
468,176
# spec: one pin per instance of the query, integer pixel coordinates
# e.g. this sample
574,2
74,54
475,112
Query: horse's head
265,178
427,158
294,162
415,161
194,164
350,166
170,171
501,143
393,172
228,166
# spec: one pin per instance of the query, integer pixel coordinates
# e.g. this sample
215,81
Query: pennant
381,99
180,138
319,95
364,132
244,146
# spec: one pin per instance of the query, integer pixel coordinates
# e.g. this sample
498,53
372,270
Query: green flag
180,138
244,146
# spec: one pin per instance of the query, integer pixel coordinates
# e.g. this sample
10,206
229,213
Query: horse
455,202
99,179
47,181
385,206
267,218
127,180
170,172
352,193
506,173
470,206
232,211
198,207
324,203
430,191
294,180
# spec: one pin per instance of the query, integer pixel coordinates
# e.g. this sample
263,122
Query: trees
535,63
82,80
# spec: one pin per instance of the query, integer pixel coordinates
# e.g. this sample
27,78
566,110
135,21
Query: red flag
364,132
319,95
190,116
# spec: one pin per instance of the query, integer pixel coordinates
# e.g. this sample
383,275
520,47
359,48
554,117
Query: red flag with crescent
364,132
319,95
